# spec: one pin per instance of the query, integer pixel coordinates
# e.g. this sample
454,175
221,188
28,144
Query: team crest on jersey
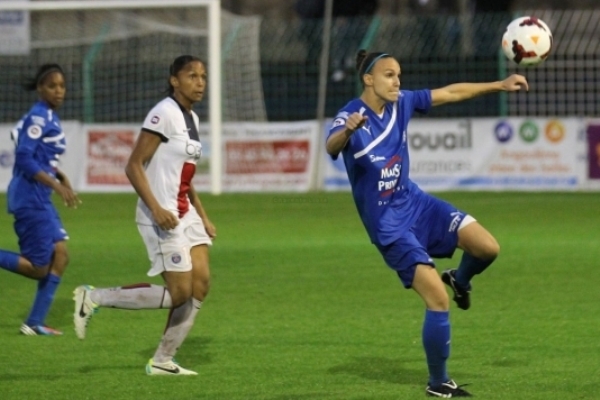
34,132
155,119
176,258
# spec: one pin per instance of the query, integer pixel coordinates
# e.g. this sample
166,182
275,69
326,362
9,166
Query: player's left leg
46,245
182,318
45,293
480,249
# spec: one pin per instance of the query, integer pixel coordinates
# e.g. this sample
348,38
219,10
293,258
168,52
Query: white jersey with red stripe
171,169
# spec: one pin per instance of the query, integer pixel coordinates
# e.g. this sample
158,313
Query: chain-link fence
116,63
435,51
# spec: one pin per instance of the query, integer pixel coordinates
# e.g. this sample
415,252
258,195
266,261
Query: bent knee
490,250
179,299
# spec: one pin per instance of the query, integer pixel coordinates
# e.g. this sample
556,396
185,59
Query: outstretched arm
464,91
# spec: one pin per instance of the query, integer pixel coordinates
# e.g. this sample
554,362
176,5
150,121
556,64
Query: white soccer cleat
85,308
167,368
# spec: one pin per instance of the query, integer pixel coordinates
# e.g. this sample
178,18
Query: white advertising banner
495,154
268,157
14,32
488,154
448,154
105,151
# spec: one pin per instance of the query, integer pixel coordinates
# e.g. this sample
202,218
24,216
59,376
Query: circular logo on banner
503,131
529,132
555,131
34,132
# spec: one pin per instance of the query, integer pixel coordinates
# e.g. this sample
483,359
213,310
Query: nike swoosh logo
82,313
173,371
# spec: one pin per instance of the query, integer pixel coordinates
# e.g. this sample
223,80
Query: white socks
181,320
134,297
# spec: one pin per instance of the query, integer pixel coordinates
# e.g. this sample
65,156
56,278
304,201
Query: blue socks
43,300
9,260
469,267
436,341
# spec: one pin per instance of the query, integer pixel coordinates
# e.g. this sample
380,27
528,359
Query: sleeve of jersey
421,100
155,123
339,123
28,141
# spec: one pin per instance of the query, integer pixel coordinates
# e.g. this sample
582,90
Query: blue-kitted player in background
408,226
39,141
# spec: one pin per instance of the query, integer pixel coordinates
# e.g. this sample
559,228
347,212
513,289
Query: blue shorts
433,235
38,231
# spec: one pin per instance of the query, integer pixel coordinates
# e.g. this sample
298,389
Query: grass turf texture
302,307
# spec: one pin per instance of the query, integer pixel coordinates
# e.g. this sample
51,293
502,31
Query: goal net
117,59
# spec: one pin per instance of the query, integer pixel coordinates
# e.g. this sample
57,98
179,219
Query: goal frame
214,54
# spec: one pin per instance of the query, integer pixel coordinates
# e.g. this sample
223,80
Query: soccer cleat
167,368
462,297
447,390
85,308
39,330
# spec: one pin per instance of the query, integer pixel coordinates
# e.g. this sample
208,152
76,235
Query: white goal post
214,53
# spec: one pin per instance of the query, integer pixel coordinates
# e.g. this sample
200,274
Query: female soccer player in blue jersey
408,226
39,142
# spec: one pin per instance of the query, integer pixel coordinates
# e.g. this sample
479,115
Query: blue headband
374,61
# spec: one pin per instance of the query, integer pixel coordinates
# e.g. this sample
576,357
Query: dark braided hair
31,84
178,64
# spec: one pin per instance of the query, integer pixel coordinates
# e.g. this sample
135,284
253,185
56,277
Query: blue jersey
39,141
377,162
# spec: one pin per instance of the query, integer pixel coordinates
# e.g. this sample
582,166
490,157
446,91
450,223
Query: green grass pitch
302,307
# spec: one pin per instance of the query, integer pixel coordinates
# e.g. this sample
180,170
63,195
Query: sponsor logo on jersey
194,149
176,258
34,132
37,120
375,158
155,119
455,220
367,128
389,176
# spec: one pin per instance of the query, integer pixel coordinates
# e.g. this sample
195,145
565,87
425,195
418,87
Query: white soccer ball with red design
527,41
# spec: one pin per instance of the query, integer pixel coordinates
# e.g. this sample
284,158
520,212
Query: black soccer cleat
447,390
462,297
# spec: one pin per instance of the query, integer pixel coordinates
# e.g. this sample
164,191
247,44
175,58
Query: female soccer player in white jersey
170,219
39,142
408,226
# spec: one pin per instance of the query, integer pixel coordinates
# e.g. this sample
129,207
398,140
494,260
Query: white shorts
170,250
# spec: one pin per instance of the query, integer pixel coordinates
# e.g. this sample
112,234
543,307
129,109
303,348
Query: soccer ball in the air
527,41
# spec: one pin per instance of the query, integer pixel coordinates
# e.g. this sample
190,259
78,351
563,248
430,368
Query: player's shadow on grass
380,369
193,352
61,313
123,368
